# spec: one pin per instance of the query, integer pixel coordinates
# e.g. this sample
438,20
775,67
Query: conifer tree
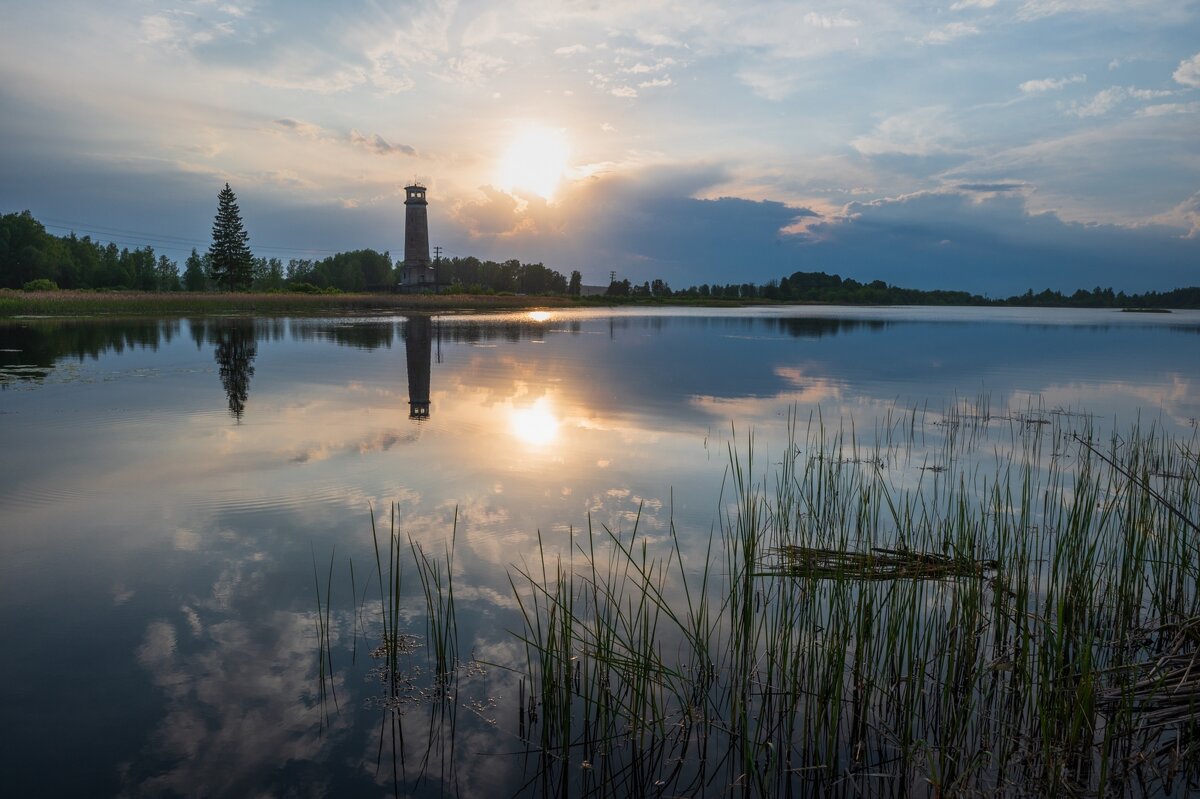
230,261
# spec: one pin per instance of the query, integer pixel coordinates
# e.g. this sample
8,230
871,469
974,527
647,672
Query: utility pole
437,278
612,277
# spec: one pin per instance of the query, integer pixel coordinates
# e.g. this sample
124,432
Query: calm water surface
165,487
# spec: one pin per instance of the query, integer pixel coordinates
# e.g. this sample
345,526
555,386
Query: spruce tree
230,260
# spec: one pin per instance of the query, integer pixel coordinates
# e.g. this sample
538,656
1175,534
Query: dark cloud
995,245
644,227
982,238
378,145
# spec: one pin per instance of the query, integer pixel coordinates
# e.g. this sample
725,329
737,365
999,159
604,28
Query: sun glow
536,425
536,161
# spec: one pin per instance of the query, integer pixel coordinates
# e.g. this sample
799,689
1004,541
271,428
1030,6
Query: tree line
819,287
31,257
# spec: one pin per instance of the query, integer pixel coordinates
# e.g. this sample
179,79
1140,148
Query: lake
191,586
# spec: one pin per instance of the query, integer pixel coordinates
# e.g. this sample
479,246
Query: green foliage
231,262
28,252
357,270
40,284
268,274
509,276
195,273
304,288
575,285
619,288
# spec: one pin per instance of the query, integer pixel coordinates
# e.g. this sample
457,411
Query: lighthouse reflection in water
418,348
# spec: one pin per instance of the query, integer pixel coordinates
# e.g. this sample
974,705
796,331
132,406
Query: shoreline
76,304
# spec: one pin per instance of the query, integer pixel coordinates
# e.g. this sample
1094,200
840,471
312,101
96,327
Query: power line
163,241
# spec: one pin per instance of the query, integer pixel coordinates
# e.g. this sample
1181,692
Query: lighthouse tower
417,270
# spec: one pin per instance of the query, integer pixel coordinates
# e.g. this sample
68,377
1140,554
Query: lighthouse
417,270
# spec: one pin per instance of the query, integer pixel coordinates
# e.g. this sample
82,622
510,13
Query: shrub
41,284
304,288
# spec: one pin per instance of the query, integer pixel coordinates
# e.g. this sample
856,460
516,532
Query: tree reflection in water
235,350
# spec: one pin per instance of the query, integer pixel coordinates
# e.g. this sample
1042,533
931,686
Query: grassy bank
95,303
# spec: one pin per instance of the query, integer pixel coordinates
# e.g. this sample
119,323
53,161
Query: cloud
978,236
1050,84
1167,109
998,246
572,49
949,32
642,68
1107,99
378,145
962,5
1185,215
657,83
496,214
306,129
1036,9
1188,72
827,22
921,132
372,143
769,83
623,91
1104,101
989,187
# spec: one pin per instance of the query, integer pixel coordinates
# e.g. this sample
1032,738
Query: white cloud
1150,94
1107,99
1167,109
1104,101
816,20
1188,72
623,91
656,83
1035,9
642,68
965,4
1185,215
1050,84
157,29
949,32
922,132
571,49
770,84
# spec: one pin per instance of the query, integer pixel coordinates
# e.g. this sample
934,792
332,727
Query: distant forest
31,257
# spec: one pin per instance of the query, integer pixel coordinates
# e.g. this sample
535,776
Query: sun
536,162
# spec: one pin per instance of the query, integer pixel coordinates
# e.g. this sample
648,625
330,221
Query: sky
987,145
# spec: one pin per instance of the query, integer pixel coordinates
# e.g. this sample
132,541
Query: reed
1004,624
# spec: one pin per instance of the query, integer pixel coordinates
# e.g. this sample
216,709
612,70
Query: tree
167,274
575,287
231,264
195,273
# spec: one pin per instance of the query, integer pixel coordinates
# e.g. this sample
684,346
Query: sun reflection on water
535,425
